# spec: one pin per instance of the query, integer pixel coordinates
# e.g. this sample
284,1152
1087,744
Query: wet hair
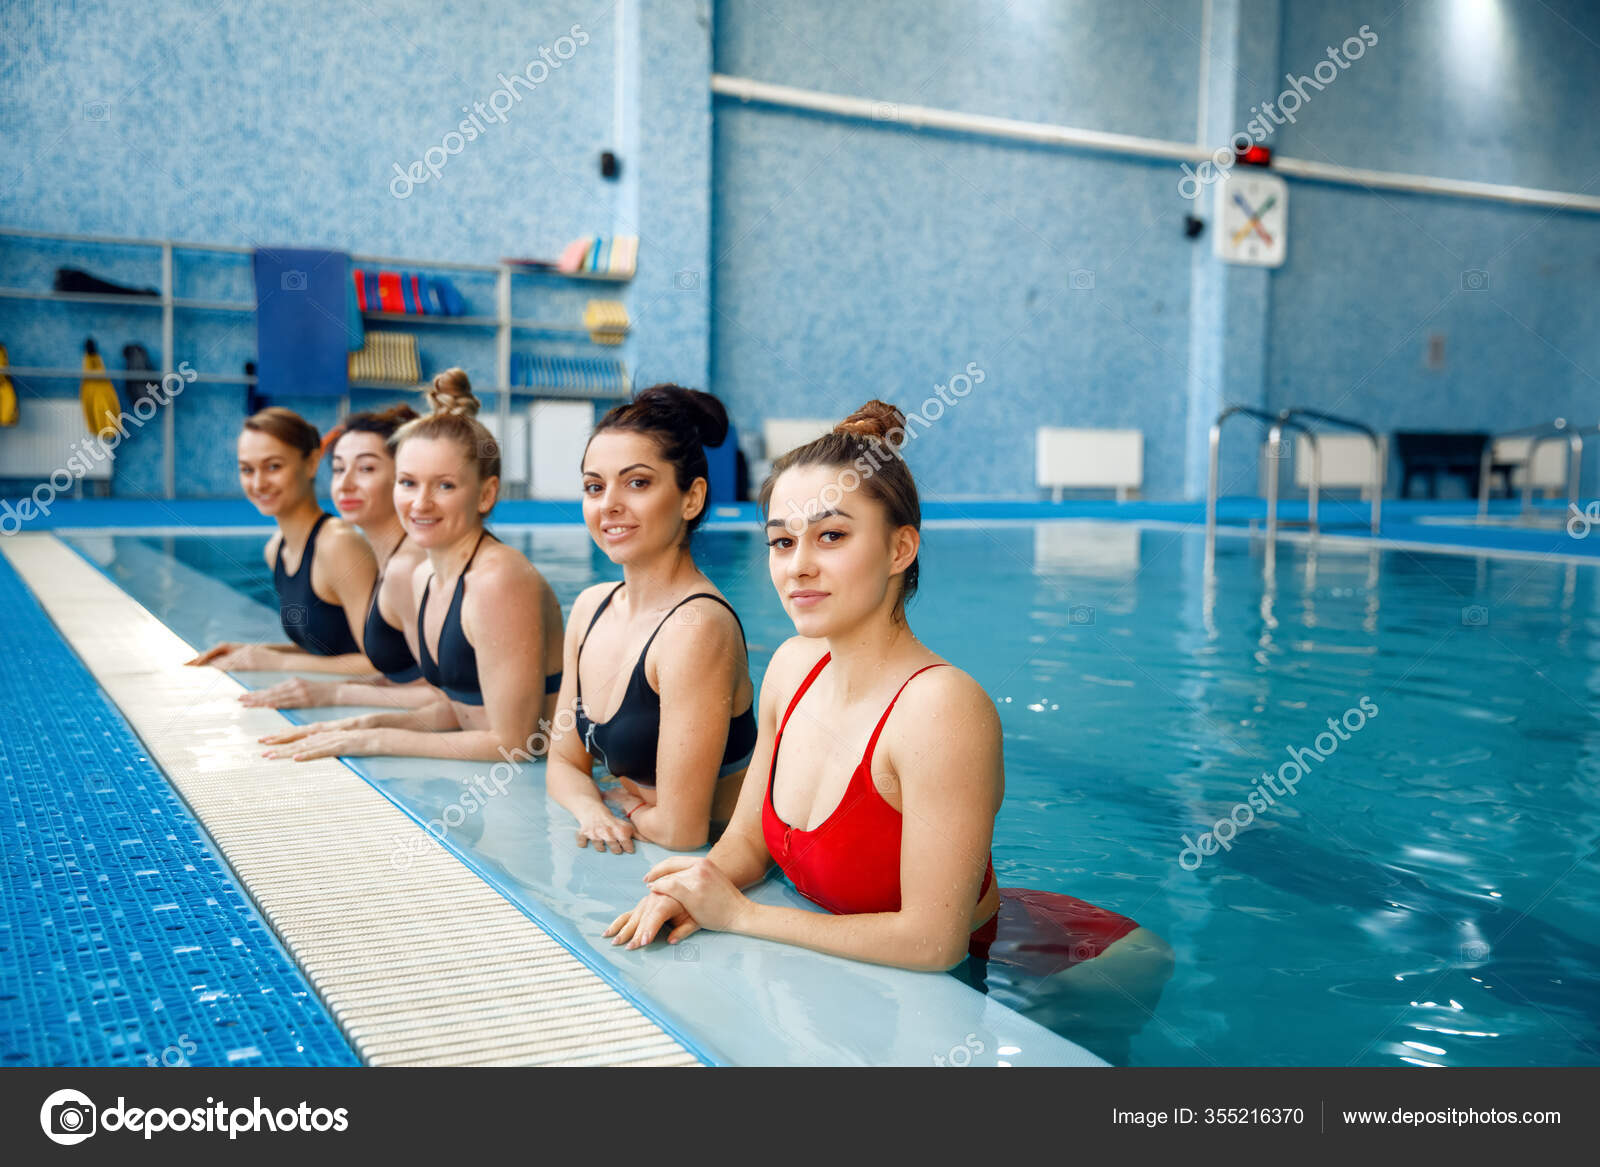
867,446
454,418
287,426
384,423
682,422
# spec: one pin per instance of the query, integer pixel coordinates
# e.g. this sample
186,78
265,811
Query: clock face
1252,219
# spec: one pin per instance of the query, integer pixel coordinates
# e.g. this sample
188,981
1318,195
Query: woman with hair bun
487,632
657,676
363,490
322,597
880,772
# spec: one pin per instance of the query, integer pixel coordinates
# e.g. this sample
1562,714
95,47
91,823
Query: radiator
48,433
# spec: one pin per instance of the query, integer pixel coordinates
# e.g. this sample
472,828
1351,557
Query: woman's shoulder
790,663
339,538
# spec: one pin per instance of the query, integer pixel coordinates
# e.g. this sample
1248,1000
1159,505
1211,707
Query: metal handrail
1550,431
1276,423
1380,453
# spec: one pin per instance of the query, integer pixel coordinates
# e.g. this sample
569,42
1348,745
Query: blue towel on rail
302,326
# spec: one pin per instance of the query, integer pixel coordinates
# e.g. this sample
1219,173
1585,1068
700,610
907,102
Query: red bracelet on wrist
628,814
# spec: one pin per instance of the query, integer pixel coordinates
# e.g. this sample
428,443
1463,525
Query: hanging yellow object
606,320
101,405
8,392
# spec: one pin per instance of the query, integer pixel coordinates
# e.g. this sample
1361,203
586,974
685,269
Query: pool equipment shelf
502,323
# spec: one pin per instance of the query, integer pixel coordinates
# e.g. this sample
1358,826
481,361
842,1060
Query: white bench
1090,459
1346,461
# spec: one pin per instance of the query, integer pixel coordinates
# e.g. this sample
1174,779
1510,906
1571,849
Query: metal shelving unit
502,323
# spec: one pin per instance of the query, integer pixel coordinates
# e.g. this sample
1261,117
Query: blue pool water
1427,894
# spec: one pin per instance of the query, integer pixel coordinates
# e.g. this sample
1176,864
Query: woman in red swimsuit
882,775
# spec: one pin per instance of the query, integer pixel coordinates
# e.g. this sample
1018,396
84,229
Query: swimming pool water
1426,892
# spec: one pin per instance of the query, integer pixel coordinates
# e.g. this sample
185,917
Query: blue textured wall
1472,91
855,259
859,259
281,123
797,263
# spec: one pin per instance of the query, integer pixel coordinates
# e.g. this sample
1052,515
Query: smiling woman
363,490
485,649
663,650
321,597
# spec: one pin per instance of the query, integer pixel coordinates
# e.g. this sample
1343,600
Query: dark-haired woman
487,634
879,775
321,566
657,678
363,490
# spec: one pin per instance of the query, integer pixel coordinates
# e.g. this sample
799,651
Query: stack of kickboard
410,293
610,255
387,357
537,371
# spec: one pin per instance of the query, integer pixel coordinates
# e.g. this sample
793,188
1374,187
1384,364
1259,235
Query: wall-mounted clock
1252,219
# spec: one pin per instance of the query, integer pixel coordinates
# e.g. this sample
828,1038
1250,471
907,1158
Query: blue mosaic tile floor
124,938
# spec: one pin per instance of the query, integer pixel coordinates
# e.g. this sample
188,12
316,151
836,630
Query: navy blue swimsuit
626,745
456,670
310,621
385,644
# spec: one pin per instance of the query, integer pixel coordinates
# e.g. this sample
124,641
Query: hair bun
451,394
875,419
701,410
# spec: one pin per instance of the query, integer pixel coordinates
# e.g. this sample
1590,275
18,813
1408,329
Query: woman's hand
606,831
295,693
702,891
249,658
298,732
213,652
330,743
640,925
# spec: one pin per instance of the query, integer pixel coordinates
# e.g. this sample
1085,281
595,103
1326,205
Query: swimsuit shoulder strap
595,619
872,742
696,596
801,692
604,604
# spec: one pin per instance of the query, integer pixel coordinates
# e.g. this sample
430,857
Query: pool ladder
1556,430
1294,418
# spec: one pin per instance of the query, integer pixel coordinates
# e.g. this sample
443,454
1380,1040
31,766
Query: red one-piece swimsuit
851,863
